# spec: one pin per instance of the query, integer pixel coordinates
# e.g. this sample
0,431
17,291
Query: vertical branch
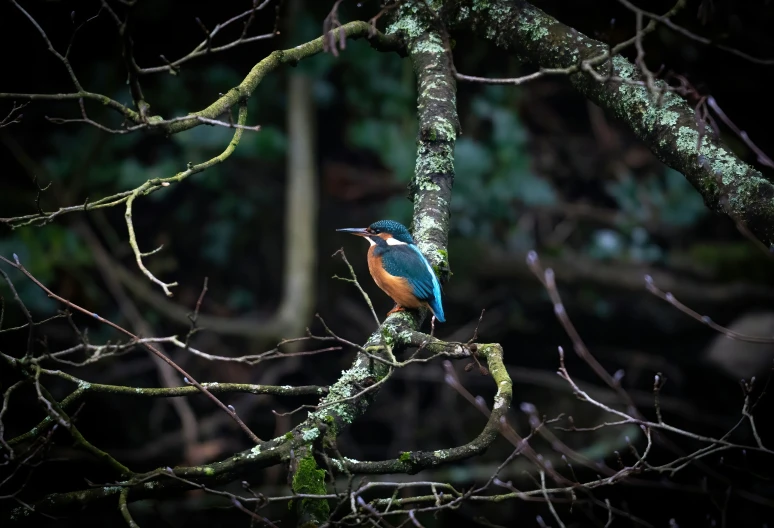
431,188
419,26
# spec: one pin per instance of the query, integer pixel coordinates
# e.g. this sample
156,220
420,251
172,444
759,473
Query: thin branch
650,285
192,169
356,283
548,500
10,118
666,20
124,508
762,158
147,346
50,46
205,47
3,410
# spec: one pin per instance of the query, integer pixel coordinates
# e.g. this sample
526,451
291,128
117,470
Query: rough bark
428,49
417,24
668,127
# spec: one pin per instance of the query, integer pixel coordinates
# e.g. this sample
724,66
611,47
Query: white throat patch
395,242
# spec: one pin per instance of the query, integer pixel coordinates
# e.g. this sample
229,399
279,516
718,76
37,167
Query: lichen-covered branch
664,122
428,48
85,388
415,24
353,30
57,415
418,25
157,482
413,462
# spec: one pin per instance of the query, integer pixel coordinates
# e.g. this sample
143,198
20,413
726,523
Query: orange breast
397,288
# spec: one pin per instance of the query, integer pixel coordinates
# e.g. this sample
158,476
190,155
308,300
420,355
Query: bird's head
383,231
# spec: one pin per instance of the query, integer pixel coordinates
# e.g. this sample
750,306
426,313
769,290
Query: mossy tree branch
351,30
415,461
664,122
431,187
418,25
86,389
161,481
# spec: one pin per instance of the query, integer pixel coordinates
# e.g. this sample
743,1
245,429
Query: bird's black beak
359,231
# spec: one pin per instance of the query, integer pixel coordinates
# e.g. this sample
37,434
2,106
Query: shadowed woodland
185,339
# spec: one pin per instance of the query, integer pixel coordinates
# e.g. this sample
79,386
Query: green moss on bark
309,479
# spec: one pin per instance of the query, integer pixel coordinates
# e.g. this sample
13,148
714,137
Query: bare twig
356,283
146,345
650,285
13,116
666,20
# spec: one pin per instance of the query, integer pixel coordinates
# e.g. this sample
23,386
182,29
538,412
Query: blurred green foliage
665,198
494,171
668,198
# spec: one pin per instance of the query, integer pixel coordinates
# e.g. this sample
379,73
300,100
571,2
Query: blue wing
408,262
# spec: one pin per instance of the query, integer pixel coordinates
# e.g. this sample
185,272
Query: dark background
537,168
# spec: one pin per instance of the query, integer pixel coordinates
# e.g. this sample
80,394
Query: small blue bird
399,268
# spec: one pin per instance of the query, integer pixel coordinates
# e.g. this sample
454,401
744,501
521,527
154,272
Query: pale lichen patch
431,44
668,118
342,389
310,434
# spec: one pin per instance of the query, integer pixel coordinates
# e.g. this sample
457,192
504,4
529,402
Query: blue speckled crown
396,229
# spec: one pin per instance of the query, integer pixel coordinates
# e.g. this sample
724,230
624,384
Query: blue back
408,262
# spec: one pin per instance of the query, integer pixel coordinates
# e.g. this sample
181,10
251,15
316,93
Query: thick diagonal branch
668,126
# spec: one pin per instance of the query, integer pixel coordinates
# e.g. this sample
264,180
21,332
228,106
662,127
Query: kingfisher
399,268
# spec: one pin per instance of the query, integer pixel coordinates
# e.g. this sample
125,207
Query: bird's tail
437,309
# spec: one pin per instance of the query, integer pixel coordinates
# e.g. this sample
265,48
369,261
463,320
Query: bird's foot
397,308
